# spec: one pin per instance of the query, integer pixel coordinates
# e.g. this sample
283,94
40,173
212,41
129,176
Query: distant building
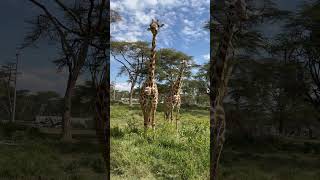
126,100
56,121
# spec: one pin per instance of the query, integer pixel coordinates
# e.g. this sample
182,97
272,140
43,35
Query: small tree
79,27
7,74
132,57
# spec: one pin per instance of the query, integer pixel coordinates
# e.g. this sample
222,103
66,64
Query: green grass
36,154
165,154
185,155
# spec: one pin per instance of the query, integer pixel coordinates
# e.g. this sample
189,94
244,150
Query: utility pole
15,88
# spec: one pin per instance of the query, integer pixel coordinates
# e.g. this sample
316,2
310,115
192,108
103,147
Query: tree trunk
281,126
310,132
103,124
66,118
213,162
72,79
133,83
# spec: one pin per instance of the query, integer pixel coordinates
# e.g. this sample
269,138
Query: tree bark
133,83
103,123
66,118
72,79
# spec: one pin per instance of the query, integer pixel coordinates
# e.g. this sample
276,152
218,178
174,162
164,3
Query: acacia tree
132,57
99,67
168,67
169,62
299,43
77,27
7,73
309,16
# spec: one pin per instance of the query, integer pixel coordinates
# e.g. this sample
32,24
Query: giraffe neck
225,44
222,61
177,84
152,63
232,20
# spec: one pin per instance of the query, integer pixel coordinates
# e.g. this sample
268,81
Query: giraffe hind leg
171,114
145,114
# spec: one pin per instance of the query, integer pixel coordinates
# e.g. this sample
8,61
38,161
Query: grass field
185,155
33,154
167,155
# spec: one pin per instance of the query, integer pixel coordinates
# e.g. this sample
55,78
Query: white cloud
206,56
122,86
137,15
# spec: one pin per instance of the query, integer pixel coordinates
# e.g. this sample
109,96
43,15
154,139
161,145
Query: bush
72,167
133,124
98,165
116,132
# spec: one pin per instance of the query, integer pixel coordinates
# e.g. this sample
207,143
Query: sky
184,28
183,31
38,73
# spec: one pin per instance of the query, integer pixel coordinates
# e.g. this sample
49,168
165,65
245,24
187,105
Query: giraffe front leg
177,116
165,113
145,114
171,114
153,114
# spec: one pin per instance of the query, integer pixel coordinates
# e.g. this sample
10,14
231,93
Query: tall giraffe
220,69
149,90
173,99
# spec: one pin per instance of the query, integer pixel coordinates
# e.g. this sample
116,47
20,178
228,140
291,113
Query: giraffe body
149,91
173,99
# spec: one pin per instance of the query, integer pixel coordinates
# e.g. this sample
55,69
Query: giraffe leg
165,112
153,113
177,116
145,115
171,113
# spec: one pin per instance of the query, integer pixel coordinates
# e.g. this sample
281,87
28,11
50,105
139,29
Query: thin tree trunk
310,132
72,79
66,118
281,126
133,83
103,123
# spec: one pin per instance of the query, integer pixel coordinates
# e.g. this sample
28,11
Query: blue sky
39,74
184,21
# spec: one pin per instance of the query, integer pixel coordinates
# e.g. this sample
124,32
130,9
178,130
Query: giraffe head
154,26
184,64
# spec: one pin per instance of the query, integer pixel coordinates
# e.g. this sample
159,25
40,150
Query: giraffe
149,91
220,70
173,99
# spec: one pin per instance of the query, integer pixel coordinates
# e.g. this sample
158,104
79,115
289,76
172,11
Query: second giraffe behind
173,99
